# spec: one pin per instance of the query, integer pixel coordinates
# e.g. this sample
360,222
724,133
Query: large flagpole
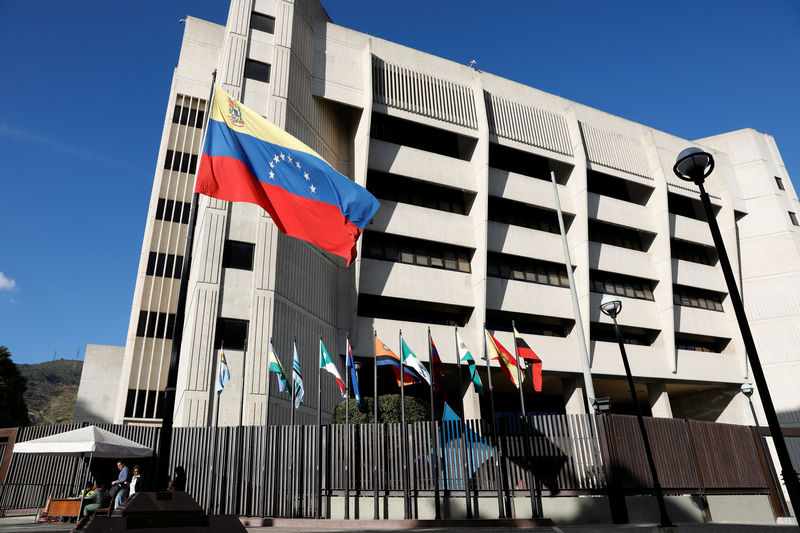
498,473
434,434
375,514
404,439
346,427
318,510
266,432
163,449
465,463
587,372
213,476
239,454
535,512
292,453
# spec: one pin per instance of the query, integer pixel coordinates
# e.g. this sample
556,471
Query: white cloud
7,284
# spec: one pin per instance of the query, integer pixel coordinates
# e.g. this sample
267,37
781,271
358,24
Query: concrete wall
100,378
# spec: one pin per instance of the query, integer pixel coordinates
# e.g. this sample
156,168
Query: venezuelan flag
246,158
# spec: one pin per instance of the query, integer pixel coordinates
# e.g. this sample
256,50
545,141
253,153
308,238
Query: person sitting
119,487
88,491
97,499
178,483
136,484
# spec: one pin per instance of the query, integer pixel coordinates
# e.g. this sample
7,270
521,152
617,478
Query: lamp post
747,390
611,306
695,165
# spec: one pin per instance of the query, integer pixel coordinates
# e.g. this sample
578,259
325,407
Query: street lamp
747,390
611,306
695,165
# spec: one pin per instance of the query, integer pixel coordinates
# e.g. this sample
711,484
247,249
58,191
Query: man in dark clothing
119,487
96,498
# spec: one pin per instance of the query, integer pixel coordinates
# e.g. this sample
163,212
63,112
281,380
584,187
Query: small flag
508,363
464,355
386,357
275,366
438,372
223,373
525,352
297,377
326,363
413,364
353,376
247,158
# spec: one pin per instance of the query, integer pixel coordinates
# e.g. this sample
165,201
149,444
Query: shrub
388,410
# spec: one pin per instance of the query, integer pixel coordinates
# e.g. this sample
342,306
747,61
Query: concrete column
472,401
659,400
574,403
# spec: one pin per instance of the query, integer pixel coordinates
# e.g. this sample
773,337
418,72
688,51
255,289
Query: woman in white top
136,482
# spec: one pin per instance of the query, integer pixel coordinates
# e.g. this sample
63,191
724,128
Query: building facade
466,235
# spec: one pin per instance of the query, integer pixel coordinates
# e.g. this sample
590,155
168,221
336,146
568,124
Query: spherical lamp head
610,305
747,389
693,164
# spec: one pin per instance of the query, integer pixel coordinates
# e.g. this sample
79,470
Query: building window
188,116
231,333
418,311
261,22
692,297
238,255
619,236
256,70
528,270
143,404
793,218
156,325
525,215
173,211
621,189
779,182
167,265
519,162
700,343
630,335
628,286
180,162
418,252
546,326
415,135
420,193
693,252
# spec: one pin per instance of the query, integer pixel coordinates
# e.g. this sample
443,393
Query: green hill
52,390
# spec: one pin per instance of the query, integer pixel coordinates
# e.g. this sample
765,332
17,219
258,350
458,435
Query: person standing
119,487
136,482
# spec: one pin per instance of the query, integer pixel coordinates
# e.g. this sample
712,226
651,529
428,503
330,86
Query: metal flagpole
346,427
266,434
213,476
318,511
375,514
404,439
498,474
161,476
239,437
292,440
535,511
587,372
434,434
464,443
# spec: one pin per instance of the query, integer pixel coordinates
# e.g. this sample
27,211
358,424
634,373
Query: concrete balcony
400,280
525,242
635,312
701,322
621,213
712,367
689,229
422,165
620,260
528,298
645,361
526,189
696,275
423,223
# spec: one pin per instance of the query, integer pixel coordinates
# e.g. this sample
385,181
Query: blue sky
86,86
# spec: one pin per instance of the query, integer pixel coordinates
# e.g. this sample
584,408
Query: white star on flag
283,157
289,158
305,175
298,165
275,159
271,175
313,189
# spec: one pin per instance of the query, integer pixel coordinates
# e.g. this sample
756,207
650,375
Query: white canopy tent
89,441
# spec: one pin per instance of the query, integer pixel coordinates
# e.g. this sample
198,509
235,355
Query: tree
12,386
388,410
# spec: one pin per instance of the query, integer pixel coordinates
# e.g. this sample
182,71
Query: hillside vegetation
52,390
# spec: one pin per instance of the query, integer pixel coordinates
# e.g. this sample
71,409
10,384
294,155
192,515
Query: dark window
700,343
167,265
144,404
155,325
262,22
179,161
688,207
618,188
779,182
630,335
173,211
238,255
519,162
256,70
696,253
188,116
525,215
694,297
231,333
793,218
497,320
418,252
404,132
628,286
412,310
619,235
525,269
396,188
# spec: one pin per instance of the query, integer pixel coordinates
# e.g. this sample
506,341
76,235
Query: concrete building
466,234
